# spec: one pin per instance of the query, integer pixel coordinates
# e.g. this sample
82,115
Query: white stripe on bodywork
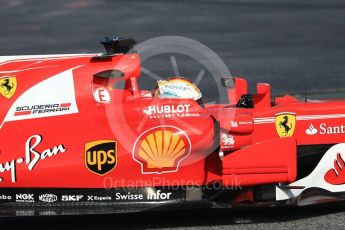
21,70
24,58
265,120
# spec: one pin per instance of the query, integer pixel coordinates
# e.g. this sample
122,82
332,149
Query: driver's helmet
178,87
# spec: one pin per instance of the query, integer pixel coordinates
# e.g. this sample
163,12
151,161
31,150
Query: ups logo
101,156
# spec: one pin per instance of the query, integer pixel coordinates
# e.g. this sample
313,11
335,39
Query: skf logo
161,149
71,198
8,86
285,124
101,156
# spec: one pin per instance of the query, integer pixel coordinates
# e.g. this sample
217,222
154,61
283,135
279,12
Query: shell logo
161,149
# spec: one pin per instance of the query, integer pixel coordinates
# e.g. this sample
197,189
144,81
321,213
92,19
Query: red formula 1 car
79,136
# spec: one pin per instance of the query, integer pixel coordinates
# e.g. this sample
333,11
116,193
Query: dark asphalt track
292,45
323,217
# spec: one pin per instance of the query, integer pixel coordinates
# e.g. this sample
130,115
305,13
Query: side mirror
117,45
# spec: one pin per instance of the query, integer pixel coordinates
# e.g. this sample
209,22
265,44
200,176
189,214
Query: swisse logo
101,156
48,198
25,198
324,129
129,196
5,197
71,198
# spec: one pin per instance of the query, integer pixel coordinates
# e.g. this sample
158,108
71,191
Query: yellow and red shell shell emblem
161,149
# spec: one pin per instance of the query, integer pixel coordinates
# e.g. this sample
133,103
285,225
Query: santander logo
326,129
311,130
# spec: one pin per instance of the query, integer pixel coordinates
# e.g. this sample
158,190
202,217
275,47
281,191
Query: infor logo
101,156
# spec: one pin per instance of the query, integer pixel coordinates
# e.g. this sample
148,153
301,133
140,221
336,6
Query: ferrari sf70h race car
78,135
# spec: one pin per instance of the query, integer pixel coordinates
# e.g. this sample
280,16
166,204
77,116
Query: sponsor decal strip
21,70
10,59
265,120
64,195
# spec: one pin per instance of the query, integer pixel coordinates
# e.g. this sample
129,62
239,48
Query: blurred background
293,45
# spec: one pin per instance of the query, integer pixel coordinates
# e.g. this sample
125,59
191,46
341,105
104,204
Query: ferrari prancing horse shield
8,86
285,124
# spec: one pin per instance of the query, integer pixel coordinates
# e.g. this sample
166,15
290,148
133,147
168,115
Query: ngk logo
71,197
25,198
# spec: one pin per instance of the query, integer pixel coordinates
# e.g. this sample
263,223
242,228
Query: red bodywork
151,141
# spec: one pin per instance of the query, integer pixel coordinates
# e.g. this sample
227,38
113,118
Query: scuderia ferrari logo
8,86
101,156
285,124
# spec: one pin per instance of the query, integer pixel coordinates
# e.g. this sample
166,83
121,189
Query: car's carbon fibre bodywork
74,142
